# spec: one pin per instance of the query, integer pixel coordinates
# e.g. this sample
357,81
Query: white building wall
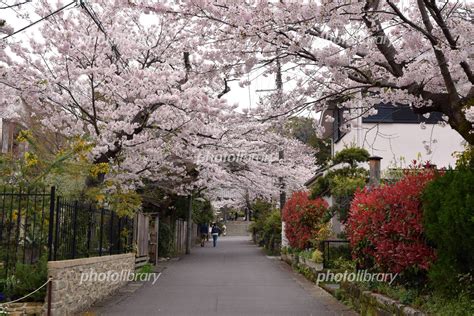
398,144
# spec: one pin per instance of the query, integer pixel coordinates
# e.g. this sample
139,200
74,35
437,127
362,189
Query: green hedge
448,205
267,231
165,240
25,280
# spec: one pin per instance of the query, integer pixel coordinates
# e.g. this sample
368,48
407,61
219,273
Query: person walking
224,230
204,231
215,232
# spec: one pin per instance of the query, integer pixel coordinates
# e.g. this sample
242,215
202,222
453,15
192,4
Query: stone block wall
237,228
69,296
368,303
22,309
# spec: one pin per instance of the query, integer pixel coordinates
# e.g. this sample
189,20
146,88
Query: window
337,124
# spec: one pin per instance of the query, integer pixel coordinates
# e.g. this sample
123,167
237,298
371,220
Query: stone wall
22,309
368,303
304,266
69,296
237,228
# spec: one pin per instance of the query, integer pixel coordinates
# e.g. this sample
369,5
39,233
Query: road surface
235,278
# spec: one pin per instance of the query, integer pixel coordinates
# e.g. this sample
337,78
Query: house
9,131
394,133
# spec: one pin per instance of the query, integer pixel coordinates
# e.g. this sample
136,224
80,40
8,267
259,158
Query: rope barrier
19,299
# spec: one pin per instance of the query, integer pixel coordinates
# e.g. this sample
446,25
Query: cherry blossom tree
354,53
138,88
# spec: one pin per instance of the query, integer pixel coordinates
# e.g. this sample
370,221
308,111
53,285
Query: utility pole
281,153
281,156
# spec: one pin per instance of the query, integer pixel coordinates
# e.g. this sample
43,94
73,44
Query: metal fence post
329,260
111,235
4,197
9,233
56,234
101,231
119,237
324,254
18,228
89,231
51,223
74,230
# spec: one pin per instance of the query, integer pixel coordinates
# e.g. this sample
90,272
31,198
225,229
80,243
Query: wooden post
50,295
374,171
157,233
189,224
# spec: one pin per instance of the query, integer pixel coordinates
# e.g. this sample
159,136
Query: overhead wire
42,19
11,6
91,13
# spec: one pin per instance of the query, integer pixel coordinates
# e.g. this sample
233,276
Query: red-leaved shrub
385,225
303,219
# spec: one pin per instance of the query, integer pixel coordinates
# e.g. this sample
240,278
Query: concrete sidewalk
235,278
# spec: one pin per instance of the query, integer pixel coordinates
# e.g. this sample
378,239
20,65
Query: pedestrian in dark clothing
215,232
204,231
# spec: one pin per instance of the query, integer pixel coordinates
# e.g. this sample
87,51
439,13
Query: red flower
302,218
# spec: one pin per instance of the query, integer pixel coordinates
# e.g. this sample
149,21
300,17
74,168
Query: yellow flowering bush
100,168
31,159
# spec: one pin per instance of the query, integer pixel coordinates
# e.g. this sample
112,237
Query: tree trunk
459,122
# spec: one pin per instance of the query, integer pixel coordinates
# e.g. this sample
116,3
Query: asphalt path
235,278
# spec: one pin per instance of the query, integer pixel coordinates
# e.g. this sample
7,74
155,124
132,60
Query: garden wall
22,309
369,303
365,302
69,296
305,266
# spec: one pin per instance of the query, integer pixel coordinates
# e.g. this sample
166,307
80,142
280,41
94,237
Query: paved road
235,278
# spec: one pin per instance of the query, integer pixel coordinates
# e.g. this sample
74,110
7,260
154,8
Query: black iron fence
334,250
23,226
36,223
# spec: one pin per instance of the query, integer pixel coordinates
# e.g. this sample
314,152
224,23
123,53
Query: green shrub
461,305
143,270
165,239
202,211
351,155
340,257
432,304
266,228
342,183
307,254
272,232
26,279
317,256
344,264
261,208
448,204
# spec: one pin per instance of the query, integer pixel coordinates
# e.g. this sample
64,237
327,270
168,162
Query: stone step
237,228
